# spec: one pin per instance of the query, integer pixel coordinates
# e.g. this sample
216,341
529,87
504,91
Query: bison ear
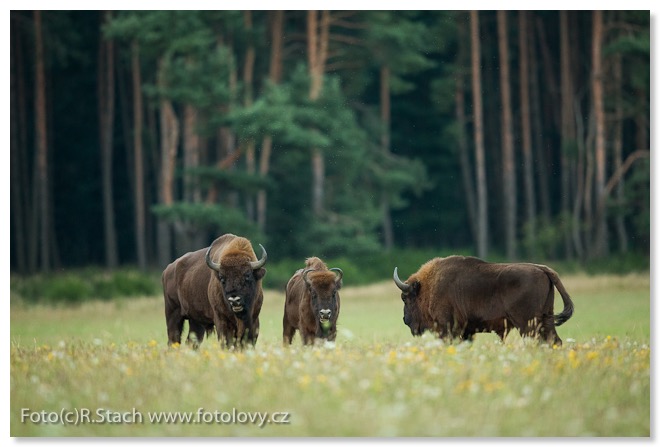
259,273
415,287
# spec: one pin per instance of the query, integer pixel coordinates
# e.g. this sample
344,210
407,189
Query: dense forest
137,136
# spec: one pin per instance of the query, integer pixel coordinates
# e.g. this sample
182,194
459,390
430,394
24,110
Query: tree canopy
229,136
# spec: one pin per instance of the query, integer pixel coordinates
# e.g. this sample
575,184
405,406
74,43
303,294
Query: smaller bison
312,302
458,296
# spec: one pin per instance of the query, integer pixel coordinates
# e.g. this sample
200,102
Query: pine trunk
42,147
169,138
464,156
107,112
600,242
16,158
569,137
138,160
526,131
617,143
275,75
508,156
385,112
317,53
248,78
480,158
538,135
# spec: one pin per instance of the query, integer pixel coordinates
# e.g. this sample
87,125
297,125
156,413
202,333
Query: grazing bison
219,286
312,302
459,296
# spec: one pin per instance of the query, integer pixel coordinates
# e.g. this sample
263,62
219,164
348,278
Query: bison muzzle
216,287
459,296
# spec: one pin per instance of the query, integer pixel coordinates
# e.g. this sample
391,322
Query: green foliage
400,41
638,200
204,217
77,286
549,236
224,179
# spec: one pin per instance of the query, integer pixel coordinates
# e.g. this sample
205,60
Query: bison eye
222,280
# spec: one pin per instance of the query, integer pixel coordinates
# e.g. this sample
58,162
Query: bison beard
216,287
458,296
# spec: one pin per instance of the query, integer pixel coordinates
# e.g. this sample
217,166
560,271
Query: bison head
323,287
238,277
412,314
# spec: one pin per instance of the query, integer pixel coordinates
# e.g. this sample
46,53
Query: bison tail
568,303
565,314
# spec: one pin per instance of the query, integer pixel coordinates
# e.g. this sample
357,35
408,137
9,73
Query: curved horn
260,263
304,275
212,265
400,284
340,273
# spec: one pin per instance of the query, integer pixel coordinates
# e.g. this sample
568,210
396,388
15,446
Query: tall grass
376,380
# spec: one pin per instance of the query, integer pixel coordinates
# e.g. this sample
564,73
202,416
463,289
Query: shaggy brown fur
196,293
312,306
459,296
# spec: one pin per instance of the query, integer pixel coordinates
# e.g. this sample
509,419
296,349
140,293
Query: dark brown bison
458,296
216,286
312,302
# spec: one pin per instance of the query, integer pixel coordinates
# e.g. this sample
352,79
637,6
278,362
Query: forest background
366,137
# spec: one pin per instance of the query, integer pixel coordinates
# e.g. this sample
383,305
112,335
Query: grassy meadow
376,380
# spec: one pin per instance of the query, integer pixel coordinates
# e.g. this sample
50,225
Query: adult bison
458,296
216,286
312,302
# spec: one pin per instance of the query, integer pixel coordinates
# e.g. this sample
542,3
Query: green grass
377,380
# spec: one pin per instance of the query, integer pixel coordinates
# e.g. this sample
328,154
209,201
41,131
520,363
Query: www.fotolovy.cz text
80,416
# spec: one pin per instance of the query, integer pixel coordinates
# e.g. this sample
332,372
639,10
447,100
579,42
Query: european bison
219,286
458,296
312,302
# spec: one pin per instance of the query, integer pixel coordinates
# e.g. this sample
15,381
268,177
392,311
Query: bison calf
312,302
459,296
218,286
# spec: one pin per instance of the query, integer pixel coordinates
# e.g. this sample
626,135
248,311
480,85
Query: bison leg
229,336
501,328
308,339
174,322
332,336
468,334
255,331
195,334
226,333
251,332
288,331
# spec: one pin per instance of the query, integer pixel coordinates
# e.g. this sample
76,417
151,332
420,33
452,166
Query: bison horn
212,265
400,284
260,263
304,275
340,273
